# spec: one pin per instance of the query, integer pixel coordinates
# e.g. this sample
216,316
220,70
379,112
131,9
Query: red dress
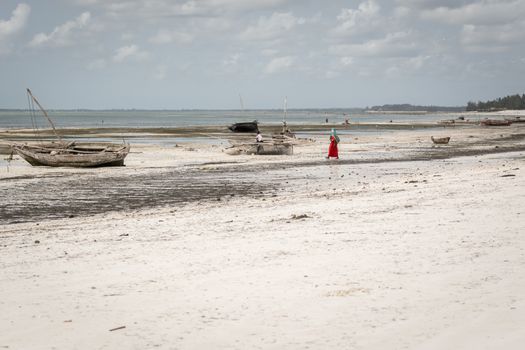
332,150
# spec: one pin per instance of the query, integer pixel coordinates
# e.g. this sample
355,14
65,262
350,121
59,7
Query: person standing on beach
259,137
333,152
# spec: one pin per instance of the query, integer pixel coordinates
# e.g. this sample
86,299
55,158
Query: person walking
333,152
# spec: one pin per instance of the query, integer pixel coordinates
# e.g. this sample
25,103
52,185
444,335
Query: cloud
431,4
491,38
63,34
168,36
480,13
268,28
125,53
365,17
16,22
13,25
279,64
397,44
159,9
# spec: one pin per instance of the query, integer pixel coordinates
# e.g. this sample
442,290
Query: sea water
180,118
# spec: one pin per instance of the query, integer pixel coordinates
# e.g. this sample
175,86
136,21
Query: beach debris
300,216
37,241
507,175
124,235
117,328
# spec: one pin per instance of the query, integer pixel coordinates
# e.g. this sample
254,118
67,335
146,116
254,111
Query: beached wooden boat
261,148
244,127
515,120
73,154
440,140
69,154
495,122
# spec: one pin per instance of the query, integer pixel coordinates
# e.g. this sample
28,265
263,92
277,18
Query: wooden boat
515,120
261,148
495,122
244,127
69,154
72,154
440,140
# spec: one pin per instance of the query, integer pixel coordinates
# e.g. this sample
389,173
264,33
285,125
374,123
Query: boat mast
45,114
285,113
242,104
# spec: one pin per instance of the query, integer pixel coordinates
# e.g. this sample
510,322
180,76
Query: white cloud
13,25
492,38
160,9
346,61
397,44
482,13
268,28
16,22
63,34
363,18
129,52
167,36
232,60
279,64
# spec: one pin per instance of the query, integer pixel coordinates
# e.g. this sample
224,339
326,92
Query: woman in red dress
332,150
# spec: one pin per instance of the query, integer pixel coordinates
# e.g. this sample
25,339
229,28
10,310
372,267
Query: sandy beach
399,244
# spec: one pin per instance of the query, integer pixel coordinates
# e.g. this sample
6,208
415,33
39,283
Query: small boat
515,120
244,127
81,155
262,148
69,154
495,122
440,140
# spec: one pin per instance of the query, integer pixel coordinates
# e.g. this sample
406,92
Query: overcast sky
203,53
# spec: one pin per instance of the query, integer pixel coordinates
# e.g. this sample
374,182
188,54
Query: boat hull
77,157
244,127
267,149
494,122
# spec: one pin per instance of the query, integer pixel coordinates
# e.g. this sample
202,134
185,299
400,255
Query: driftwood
440,140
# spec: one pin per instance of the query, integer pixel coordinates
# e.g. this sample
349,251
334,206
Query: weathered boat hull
440,140
274,149
78,157
244,127
495,122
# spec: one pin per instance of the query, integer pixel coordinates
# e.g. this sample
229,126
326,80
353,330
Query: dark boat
440,140
495,122
244,127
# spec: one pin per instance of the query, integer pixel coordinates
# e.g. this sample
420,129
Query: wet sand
399,244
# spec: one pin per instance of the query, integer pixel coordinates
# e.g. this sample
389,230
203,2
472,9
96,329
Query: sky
205,54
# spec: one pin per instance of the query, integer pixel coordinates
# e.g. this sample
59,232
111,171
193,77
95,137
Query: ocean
183,118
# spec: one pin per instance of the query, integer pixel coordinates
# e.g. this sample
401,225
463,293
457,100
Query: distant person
333,152
326,120
259,137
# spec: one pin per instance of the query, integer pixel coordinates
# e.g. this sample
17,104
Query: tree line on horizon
508,102
406,107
